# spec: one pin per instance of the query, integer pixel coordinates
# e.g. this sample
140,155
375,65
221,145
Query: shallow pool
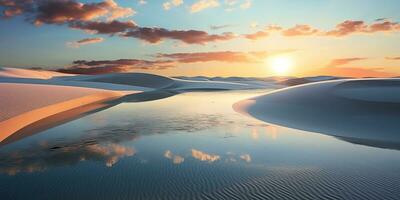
191,146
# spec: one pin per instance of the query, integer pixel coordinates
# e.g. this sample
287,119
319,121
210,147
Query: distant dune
305,80
132,79
363,110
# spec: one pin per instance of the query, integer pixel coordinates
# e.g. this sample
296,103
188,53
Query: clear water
192,146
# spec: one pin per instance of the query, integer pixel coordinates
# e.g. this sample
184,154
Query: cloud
203,4
64,11
110,27
12,8
142,2
349,27
356,72
86,41
156,35
151,35
232,5
246,4
176,159
165,61
392,58
172,3
246,157
217,27
114,66
202,156
343,61
42,157
219,56
257,35
263,33
300,30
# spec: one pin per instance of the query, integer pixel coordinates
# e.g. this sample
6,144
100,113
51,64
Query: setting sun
280,65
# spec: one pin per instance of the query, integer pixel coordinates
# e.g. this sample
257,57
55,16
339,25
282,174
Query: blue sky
26,45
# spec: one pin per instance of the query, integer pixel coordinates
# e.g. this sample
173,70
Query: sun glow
280,65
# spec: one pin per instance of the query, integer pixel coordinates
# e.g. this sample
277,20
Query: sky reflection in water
194,146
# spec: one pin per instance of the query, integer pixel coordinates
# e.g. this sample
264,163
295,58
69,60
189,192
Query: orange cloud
392,58
202,156
300,30
257,35
203,4
353,27
85,41
263,33
345,28
343,61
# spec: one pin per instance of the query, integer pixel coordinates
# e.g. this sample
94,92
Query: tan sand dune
364,110
23,104
28,73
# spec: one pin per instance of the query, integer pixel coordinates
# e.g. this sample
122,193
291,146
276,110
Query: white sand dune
131,79
365,109
161,82
23,104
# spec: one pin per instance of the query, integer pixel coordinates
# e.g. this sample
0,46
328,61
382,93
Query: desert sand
23,104
360,111
27,73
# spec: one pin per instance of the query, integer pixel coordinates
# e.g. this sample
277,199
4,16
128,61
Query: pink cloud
155,35
86,41
300,30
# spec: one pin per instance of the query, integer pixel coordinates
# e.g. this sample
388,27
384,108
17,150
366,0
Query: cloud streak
86,41
392,58
114,66
346,28
344,61
219,56
156,35
356,72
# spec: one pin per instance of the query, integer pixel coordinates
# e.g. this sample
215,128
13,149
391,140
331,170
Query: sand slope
28,73
23,104
366,109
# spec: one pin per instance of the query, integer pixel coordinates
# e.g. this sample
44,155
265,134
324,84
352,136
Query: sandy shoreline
35,102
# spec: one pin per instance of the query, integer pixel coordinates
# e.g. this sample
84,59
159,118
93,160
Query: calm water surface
192,146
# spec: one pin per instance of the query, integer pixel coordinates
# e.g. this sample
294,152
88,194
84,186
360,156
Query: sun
280,65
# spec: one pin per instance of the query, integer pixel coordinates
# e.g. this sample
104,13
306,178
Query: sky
258,38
